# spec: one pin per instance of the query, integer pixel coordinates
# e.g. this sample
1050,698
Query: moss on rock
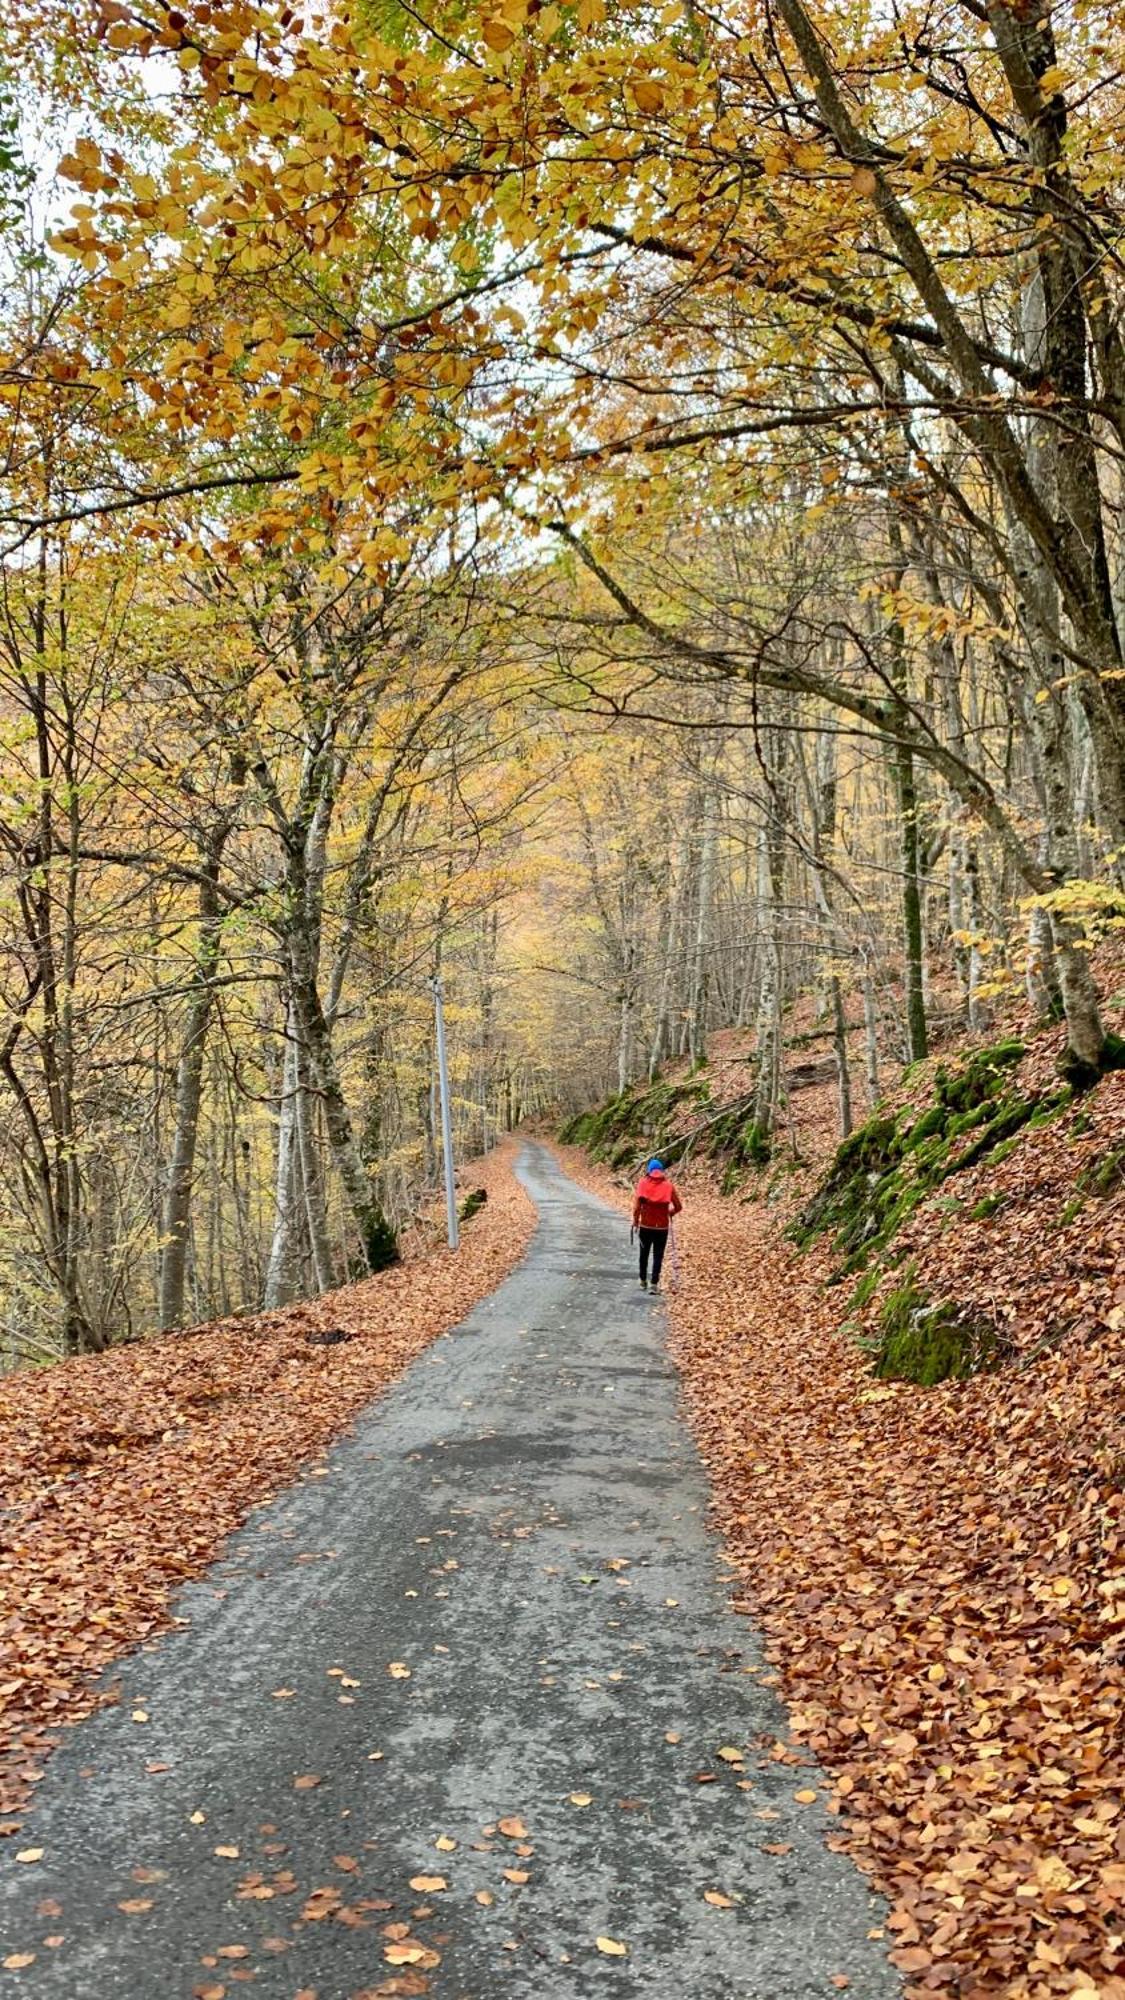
887,1167
636,1121
923,1342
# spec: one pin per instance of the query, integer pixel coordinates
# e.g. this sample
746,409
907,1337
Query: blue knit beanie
655,1167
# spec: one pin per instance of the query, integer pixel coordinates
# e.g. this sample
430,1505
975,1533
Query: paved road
498,1593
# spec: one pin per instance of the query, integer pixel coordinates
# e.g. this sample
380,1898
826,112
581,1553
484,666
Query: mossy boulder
923,1342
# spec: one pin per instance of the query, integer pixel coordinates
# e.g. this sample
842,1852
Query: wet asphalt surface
497,1593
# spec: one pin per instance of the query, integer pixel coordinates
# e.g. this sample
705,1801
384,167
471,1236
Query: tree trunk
189,1092
282,1280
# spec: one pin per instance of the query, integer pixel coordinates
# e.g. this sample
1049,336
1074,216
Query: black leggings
655,1240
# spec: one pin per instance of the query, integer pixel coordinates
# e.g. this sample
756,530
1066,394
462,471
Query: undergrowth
672,1119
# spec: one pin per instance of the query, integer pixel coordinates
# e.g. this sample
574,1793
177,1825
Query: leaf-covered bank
936,1568
125,1471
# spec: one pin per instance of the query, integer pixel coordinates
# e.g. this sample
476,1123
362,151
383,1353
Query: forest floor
125,1471
938,1570
465,1711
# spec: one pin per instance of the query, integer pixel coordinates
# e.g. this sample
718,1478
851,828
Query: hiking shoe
644,1284
654,1287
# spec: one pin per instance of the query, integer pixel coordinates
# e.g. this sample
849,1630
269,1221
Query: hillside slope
937,1567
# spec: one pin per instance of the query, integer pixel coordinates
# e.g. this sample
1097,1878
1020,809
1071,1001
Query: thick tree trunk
376,1237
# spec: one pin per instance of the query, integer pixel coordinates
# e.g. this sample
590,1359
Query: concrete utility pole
446,1119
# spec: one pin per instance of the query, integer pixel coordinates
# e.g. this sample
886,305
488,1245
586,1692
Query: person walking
655,1202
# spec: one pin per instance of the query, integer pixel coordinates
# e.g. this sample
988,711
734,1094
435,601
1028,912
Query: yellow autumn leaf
612,1947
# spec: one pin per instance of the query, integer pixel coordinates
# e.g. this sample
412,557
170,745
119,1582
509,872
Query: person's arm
677,1204
636,1215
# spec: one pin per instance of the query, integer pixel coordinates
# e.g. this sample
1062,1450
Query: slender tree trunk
189,1091
871,1040
701,953
282,1282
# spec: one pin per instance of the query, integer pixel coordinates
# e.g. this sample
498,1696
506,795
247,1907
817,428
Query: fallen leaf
411,1954
612,1947
16,1960
717,1899
28,1854
134,1906
398,1670
307,1783
516,1875
228,1853
444,1844
428,1885
581,1799
514,1829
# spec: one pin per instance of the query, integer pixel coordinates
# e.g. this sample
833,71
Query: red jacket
656,1201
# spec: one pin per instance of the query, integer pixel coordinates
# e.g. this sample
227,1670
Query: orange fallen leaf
411,1954
485,1898
805,1797
516,1875
513,1828
398,1670
717,1899
428,1885
228,1853
306,1783
134,1906
16,1960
